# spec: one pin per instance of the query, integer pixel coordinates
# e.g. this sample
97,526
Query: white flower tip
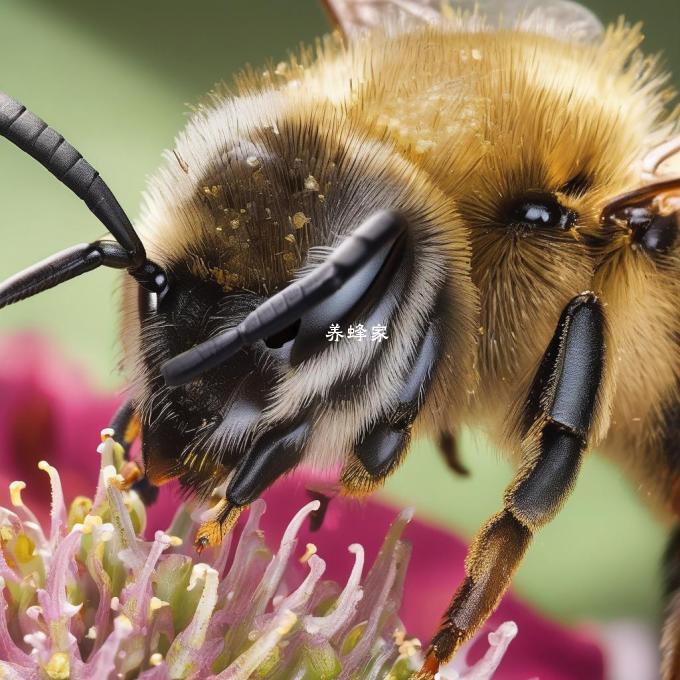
91,633
45,466
100,449
70,610
35,639
156,603
156,659
406,515
505,632
34,612
356,549
313,506
115,604
200,571
106,433
317,564
161,537
167,539
15,489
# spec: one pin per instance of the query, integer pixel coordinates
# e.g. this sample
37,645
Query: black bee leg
276,452
448,447
558,415
670,639
381,449
324,496
126,427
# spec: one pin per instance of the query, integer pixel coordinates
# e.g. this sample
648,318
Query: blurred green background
115,79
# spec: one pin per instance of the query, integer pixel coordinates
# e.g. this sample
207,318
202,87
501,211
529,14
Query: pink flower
43,397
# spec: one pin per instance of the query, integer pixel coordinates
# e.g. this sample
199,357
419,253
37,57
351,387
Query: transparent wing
560,18
553,17
357,16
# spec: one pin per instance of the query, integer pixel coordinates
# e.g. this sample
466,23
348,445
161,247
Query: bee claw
429,668
201,544
211,533
131,473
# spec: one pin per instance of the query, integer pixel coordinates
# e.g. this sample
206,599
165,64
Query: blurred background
115,79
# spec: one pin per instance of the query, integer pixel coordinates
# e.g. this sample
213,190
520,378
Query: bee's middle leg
558,415
380,450
276,452
448,447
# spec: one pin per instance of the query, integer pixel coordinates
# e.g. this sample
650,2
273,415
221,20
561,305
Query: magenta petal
46,397
43,397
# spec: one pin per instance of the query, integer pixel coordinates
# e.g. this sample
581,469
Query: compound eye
540,210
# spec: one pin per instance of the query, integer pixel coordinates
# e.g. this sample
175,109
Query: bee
494,186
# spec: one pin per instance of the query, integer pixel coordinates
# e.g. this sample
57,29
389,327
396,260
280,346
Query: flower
46,398
90,598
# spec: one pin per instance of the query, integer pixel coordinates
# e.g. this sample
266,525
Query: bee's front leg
126,426
275,452
558,415
379,451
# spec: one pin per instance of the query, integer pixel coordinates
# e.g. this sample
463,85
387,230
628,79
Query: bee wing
562,18
355,17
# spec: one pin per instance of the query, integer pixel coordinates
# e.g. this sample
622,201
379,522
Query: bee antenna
32,135
290,304
640,196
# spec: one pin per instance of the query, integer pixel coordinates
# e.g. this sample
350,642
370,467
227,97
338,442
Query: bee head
316,280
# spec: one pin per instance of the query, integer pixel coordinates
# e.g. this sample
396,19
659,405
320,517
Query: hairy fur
455,120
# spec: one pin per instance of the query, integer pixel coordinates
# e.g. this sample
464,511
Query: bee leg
127,427
381,449
448,446
560,409
324,496
670,638
212,531
276,452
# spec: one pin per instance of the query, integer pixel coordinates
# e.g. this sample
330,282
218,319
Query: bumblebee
493,185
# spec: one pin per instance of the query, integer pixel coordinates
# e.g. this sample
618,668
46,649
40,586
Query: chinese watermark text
357,332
